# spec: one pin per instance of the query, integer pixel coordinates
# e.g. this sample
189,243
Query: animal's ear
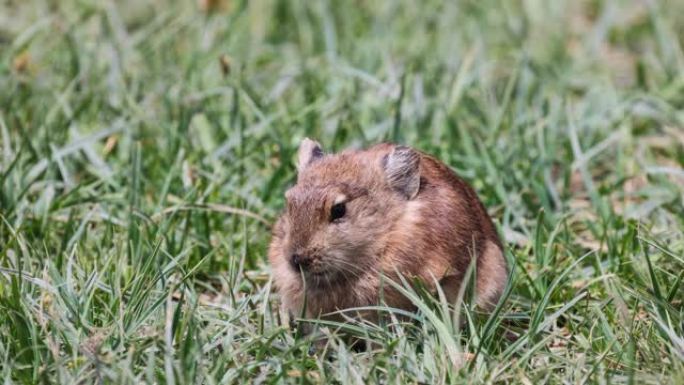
309,151
402,170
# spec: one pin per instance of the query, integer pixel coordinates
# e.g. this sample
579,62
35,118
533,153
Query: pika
359,215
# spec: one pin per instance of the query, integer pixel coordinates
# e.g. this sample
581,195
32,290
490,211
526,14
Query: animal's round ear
309,152
402,170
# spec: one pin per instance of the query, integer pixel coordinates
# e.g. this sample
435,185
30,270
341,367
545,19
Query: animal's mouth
322,278
316,273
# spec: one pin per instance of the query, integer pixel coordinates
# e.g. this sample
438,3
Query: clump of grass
145,147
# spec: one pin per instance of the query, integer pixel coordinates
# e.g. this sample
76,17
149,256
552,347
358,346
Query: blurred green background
146,145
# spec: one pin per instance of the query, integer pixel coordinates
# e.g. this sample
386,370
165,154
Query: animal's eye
337,211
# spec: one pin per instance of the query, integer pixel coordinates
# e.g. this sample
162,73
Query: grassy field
146,146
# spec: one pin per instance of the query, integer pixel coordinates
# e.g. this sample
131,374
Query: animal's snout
300,261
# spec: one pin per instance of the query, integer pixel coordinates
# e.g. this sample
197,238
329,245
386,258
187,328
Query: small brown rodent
360,214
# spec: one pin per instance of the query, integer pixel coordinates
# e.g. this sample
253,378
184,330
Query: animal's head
342,208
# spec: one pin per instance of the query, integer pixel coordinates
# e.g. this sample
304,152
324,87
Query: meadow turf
145,147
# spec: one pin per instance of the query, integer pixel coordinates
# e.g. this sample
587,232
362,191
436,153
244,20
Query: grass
145,147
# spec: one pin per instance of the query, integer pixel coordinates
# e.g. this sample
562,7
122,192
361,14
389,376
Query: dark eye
337,211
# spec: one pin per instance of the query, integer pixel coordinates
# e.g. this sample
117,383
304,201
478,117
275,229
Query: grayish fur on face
402,169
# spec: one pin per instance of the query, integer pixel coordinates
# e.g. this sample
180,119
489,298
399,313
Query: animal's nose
299,260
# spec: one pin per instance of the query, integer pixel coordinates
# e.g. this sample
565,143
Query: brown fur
430,233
